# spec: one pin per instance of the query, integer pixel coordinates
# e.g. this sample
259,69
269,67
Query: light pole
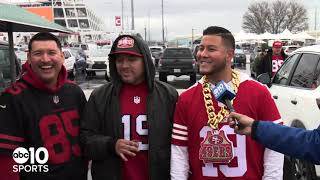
122,15
192,30
163,40
132,15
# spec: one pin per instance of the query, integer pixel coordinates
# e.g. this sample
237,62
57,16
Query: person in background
43,109
203,144
272,61
296,142
127,123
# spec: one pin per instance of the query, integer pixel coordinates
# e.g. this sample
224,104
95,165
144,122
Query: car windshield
74,52
99,53
155,49
183,52
292,48
108,47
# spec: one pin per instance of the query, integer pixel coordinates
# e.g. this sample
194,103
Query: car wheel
163,77
193,78
296,169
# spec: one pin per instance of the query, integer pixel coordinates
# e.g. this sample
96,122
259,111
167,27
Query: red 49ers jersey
133,100
277,62
190,128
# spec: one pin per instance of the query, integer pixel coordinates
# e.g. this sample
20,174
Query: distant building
72,14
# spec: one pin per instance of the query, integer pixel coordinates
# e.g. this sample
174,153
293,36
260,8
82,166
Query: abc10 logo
36,160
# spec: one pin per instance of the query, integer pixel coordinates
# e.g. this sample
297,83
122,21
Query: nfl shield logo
56,99
136,99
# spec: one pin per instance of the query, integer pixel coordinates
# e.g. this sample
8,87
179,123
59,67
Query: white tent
303,36
242,36
286,34
266,35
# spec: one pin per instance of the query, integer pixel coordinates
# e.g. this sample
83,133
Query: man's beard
217,69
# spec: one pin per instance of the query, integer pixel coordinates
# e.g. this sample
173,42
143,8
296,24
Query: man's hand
245,123
125,147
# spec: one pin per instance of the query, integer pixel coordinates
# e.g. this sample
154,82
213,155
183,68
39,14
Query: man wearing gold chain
203,145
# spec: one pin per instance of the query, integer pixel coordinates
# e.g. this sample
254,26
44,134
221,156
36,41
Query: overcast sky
181,16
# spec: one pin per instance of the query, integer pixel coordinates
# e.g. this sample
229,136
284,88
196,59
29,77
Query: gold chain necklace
213,118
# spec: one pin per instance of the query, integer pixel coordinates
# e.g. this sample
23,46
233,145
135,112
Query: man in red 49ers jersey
203,144
127,123
272,61
43,110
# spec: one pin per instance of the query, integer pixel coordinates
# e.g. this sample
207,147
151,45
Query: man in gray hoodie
127,124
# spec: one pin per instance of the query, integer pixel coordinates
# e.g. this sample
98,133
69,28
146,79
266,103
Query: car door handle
294,102
275,96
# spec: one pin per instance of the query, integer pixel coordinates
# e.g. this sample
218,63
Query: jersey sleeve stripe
11,138
180,132
8,146
180,126
179,137
279,121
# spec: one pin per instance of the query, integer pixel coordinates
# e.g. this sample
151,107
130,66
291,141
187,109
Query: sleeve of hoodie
260,64
296,142
96,145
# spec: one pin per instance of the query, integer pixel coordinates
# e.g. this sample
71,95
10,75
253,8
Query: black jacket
265,64
101,126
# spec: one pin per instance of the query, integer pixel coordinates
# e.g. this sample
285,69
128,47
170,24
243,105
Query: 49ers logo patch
216,148
125,42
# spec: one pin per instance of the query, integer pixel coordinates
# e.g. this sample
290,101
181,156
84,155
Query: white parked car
296,90
97,60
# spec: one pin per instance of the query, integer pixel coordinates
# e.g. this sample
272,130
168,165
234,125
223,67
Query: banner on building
118,21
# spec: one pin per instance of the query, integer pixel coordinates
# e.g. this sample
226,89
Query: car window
305,75
84,47
5,75
283,74
5,63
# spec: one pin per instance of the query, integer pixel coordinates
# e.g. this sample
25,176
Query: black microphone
224,94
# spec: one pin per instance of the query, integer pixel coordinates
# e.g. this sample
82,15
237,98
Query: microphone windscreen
223,91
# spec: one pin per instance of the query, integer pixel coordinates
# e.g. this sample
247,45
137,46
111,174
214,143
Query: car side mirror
264,78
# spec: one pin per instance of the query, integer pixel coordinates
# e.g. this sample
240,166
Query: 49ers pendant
216,148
